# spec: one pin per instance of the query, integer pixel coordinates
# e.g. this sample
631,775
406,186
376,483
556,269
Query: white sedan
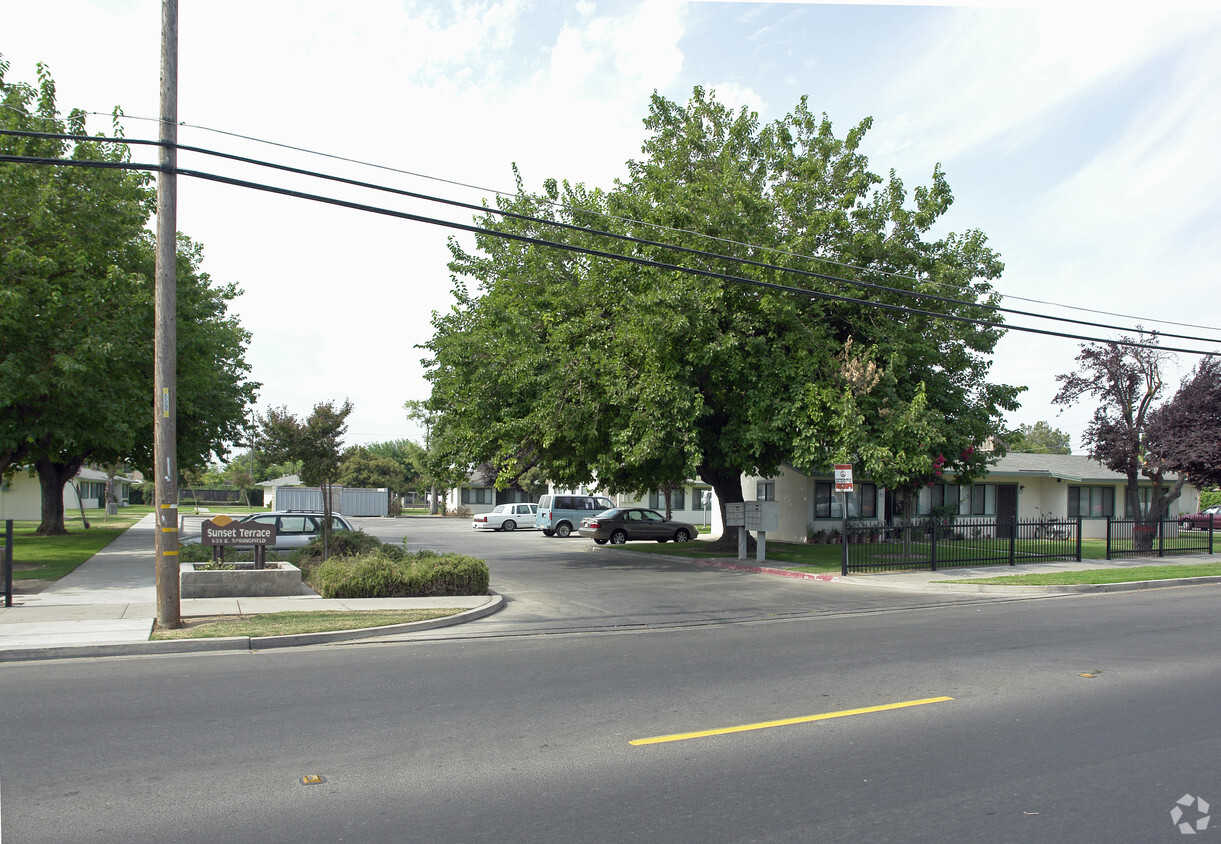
506,517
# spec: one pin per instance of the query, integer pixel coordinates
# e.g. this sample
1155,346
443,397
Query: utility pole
165,332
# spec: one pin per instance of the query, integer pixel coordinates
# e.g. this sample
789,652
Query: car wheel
660,541
681,535
563,529
548,532
509,525
600,541
618,538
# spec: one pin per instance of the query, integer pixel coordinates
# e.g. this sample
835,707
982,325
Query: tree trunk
728,489
51,479
1144,522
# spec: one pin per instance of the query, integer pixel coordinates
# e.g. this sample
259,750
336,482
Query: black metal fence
933,544
1156,538
8,562
936,543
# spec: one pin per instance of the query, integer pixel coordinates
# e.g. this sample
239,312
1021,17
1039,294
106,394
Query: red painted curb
797,575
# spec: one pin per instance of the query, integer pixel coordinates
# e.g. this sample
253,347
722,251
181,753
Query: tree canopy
636,377
316,442
1132,434
361,467
77,314
1184,434
1039,438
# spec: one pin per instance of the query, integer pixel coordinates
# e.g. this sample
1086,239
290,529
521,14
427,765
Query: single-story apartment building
21,495
1025,486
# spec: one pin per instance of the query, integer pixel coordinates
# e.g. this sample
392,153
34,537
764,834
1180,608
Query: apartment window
1092,502
765,491
478,495
697,497
862,501
983,500
1143,496
678,500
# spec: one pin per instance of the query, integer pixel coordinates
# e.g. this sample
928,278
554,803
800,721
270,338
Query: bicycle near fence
1047,526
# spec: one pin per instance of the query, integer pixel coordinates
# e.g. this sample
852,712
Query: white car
506,517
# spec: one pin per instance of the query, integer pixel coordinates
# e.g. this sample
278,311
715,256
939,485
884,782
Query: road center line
805,719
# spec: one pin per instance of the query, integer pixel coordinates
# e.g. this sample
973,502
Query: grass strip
288,623
1100,576
51,557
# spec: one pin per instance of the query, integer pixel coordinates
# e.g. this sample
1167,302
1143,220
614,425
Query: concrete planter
277,580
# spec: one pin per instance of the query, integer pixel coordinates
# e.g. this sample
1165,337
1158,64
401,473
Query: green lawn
1097,576
51,557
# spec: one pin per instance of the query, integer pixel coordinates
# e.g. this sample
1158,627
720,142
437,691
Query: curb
248,643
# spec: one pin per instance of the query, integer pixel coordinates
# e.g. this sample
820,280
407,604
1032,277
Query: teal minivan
560,515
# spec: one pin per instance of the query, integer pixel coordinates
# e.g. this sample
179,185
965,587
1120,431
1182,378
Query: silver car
293,529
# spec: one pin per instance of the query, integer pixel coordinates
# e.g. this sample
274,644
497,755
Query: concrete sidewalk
108,605
940,580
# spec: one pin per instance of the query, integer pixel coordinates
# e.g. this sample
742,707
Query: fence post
1210,534
1108,537
1079,524
8,562
932,554
1161,536
1013,529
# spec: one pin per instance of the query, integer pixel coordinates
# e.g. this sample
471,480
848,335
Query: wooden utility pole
165,333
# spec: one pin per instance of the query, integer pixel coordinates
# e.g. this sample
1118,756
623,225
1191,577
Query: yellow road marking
805,719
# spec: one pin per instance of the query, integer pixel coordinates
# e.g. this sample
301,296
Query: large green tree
639,376
76,311
363,468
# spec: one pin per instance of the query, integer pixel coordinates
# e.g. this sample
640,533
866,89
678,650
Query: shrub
345,543
378,575
460,512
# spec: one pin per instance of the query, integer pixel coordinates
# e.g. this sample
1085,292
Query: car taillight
481,518
593,523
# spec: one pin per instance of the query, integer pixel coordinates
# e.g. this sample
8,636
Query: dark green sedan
629,524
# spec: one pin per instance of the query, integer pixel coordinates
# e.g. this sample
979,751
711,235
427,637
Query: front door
1006,509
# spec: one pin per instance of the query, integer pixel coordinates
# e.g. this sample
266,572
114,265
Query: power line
472,229
613,235
658,226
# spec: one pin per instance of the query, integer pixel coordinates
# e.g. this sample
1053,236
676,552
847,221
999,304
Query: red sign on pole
843,477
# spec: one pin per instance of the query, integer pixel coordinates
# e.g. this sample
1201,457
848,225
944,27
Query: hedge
412,575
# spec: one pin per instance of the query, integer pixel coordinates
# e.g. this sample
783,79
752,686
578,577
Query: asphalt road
528,737
558,585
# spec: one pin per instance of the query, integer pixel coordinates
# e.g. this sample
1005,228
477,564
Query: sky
1081,137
